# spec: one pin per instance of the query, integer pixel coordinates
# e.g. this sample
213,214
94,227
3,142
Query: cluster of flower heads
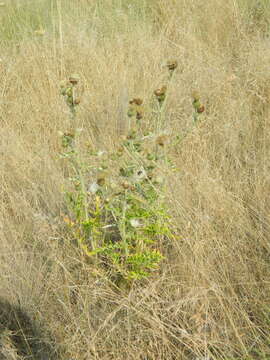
68,91
135,109
161,92
199,108
119,213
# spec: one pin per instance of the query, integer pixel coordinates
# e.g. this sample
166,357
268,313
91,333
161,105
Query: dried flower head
139,114
69,135
132,134
136,101
172,65
74,79
200,109
161,91
161,94
77,101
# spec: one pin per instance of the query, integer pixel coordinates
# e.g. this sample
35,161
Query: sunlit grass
209,296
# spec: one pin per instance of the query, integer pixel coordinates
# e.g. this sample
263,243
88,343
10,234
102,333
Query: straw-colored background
213,294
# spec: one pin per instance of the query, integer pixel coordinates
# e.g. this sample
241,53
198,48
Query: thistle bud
201,109
161,94
131,111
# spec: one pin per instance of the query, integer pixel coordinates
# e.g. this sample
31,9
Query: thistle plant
117,212
126,217
118,216
68,90
135,110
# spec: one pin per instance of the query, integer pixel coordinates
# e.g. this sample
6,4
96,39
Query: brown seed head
69,134
74,79
161,91
136,101
139,114
131,135
201,109
172,65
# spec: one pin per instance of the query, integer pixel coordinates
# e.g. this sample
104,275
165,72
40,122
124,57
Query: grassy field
210,296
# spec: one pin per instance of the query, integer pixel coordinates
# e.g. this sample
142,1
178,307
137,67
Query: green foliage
118,214
125,218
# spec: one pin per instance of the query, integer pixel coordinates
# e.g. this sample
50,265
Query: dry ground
212,296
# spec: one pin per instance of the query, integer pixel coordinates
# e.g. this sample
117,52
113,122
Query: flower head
74,79
172,65
136,101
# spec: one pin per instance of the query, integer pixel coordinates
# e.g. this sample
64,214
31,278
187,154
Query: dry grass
212,294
